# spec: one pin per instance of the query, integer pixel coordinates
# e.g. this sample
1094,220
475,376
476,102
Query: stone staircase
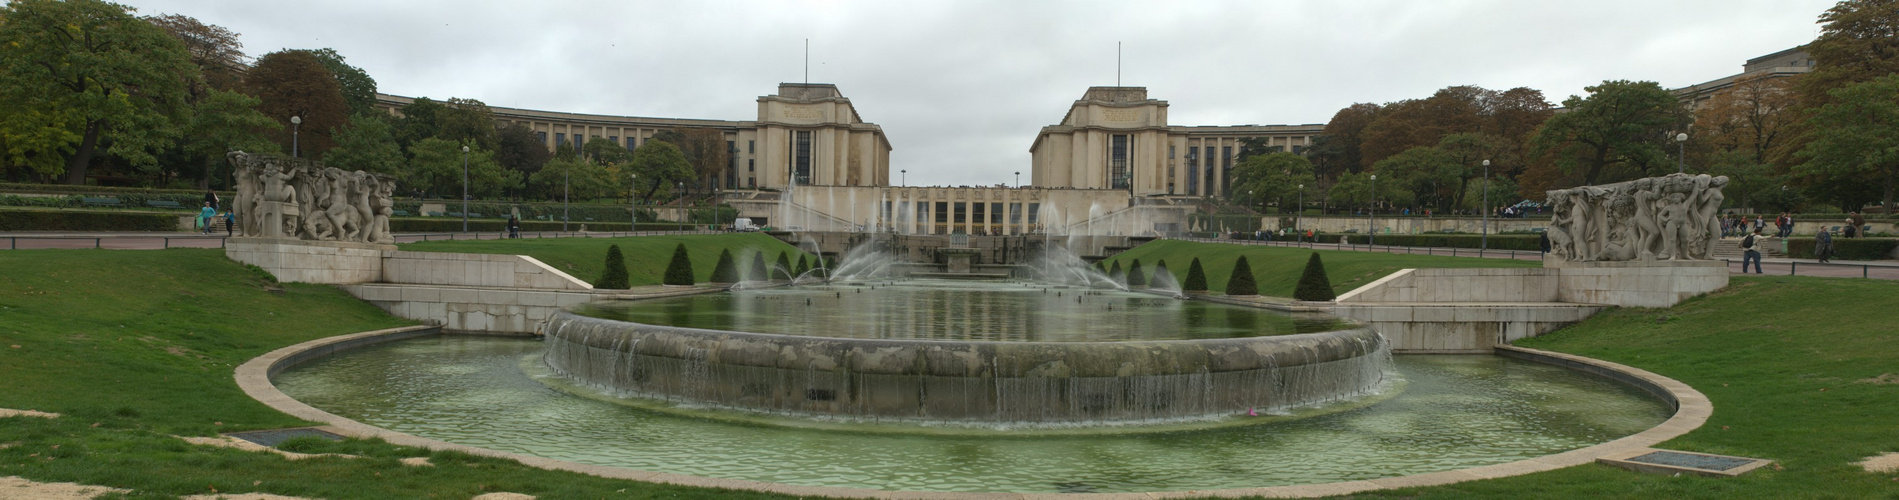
1730,248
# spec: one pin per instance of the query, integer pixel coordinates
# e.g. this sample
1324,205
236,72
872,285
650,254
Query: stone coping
1692,409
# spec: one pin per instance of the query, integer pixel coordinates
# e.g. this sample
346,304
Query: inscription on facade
1121,115
805,112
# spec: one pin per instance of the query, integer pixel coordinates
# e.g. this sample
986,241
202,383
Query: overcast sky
961,88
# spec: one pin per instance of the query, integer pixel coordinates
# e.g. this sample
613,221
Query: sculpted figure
361,186
1674,218
1648,230
1562,221
382,204
1707,208
342,216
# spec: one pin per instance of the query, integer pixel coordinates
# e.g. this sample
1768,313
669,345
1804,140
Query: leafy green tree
679,271
578,180
725,271
1196,278
783,267
1135,276
1114,272
1859,41
294,83
420,120
79,75
1419,175
1241,282
601,151
1620,130
467,121
517,148
1314,285
758,271
368,144
359,90
436,167
1856,135
1163,278
804,266
1352,190
615,277
224,121
1272,178
660,166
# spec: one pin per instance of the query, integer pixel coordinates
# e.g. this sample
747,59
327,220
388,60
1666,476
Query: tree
784,264
706,150
1135,276
1745,133
804,266
1273,178
615,277
1114,272
725,271
419,121
1859,41
1314,286
368,144
758,272
1620,129
467,121
1241,281
1423,122
436,166
214,49
294,83
603,151
1163,278
1343,135
224,121
1196,278
575,179
517,148
359,90
679,271
79,74
659,165
1856,136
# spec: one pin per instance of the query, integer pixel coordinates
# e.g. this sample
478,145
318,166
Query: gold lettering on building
806,112
1121,115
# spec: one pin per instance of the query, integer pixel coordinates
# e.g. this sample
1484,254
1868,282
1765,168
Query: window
749,166
1118,162
1226,168
1170,151
942,212
632,142
1035,212
1298,149
751,147
541,136
962,213
613,139
801,158
1015,213
995,213
560,139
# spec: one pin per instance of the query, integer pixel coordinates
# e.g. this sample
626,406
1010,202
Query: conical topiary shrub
1313,284
725,271
1241,282
1196,278
1135,276
679,271
783,268
615,277
804,266
1114,272
1163,278
758,272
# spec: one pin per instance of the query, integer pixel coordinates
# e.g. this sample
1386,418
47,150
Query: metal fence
1776,267
155,242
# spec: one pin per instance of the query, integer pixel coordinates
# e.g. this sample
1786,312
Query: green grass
1789,364
646,256
1277,269
133,347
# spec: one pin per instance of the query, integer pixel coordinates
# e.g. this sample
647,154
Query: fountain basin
967,381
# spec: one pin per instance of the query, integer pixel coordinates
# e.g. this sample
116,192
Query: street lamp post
464,188
633,202
565,189
1486,227
681,196
1681,151
1018,179
904,179
1299,217
295,122
1371,223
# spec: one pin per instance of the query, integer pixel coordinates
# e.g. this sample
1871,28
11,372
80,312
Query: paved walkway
153,241
1878,269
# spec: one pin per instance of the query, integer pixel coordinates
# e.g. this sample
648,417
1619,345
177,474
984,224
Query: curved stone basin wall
978,382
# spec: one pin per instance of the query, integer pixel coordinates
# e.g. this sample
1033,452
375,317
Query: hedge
72,220
102,190
454,225
1845,248
1497,242
188,202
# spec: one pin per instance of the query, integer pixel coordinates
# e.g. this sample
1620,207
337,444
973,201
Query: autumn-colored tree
294,83
1859,41
79,75
214,49
1337,150
1744,133
359,90
1423,122
706,150
1618,132
221,119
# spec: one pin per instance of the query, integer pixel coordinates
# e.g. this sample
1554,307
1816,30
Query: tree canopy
1618,132
1856,136
295,83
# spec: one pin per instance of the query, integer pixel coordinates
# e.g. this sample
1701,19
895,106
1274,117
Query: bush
1530,242
454,225
679,271
1114,273
1163,278
615,277
1135,276
68,220
1196,278
1314,286
804,266
1845,248
1241,282
725,271
784,265
758,272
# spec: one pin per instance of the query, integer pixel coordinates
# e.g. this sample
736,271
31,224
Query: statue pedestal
308,261
1636,283
957,260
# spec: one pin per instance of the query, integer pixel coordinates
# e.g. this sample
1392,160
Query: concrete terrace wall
469,269
305,261
510,311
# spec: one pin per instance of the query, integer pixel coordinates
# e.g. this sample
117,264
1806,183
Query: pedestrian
230,223
1850,230
1859,224
1823,245
211,197
1751,251
514,226
204,217
1543,241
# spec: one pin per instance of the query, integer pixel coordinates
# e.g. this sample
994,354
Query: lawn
1277,269
646,256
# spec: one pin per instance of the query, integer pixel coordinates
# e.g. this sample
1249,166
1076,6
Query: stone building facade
1118,138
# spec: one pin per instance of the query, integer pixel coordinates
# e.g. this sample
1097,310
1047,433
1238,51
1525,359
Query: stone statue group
1674,217
280,197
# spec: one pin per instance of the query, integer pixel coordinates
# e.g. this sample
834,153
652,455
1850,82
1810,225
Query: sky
962,88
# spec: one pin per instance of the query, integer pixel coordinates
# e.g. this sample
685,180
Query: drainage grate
1692,460
274,437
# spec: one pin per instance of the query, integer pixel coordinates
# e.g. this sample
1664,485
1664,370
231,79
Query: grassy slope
646,256
135,346
1787,363
1277,269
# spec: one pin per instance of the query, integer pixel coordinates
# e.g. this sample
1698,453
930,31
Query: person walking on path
514,227
1750,245
211,197
1823,245
1859,224
205,215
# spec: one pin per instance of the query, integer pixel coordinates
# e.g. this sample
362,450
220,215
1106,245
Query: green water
1454,412
961,310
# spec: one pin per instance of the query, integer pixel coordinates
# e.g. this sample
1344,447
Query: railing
1782,267
143,242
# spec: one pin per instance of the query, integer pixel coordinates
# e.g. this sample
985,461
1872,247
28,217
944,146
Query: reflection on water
1455,412
952,310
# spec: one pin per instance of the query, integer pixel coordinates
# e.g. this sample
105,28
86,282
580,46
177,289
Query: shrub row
1497,242
1845,248
127,200
453,225
70,220
100,190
